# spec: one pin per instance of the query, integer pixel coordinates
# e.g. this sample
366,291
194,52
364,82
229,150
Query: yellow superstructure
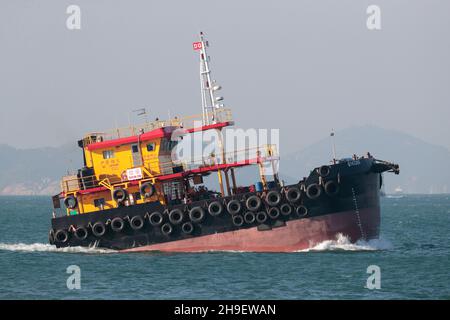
124,163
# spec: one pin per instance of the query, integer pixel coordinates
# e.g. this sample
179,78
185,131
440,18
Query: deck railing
188,122
263,153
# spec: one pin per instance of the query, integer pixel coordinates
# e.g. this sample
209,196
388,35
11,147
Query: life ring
215,208
61,236
117,224
293,194
136,223
249,217
176,216
166,229
144,192
286,209
81,233
98,229
261,217
70,202
187,227
197,214
302,211
273,198
238,221
253,203
331,188
313,191
120,195
156,219
273,213
324,171
234,207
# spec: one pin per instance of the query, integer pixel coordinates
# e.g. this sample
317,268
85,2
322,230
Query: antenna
333,145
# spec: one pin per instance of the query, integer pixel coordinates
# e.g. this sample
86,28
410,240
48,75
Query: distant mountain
35,171
423,166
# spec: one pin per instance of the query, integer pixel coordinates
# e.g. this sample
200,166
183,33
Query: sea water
412,256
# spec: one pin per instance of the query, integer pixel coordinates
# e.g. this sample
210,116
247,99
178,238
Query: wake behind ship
133,195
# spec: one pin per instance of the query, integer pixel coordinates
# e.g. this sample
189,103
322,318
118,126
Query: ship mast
208,87
210,105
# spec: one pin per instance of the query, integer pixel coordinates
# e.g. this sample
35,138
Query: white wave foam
342,243
44,247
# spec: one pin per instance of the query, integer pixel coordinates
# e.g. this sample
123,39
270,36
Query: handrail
264,153
187,122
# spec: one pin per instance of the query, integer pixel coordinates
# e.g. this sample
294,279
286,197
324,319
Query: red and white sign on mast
197,45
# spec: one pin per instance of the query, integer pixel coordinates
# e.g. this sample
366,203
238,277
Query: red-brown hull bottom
296,235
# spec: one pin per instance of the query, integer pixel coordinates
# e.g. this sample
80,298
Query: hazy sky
302,66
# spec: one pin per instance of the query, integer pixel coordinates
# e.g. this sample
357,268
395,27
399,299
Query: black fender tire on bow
293,194
313,191
331,188
324,171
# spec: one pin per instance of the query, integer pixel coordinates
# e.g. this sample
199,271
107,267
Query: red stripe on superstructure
209,127
151,135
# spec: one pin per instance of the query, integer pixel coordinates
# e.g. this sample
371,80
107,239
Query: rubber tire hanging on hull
293,195
166,229
81,233
234,207
117,224
187,228
197,214
137,223
253,203
215,208
313,191
98,229
176,216
61,236
156,219
273,198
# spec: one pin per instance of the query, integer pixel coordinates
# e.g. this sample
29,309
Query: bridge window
108,154
151,147
99,203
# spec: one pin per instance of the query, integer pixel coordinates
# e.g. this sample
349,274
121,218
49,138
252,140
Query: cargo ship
133,194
